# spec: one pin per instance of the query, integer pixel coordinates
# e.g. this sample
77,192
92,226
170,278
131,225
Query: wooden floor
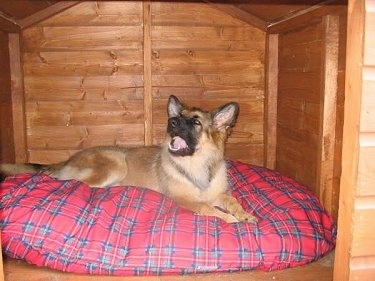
318,271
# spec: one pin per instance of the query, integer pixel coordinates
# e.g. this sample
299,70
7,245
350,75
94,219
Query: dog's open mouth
178,145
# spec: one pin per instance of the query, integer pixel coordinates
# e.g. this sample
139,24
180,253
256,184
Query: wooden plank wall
18,99
209,58
298,108
310,104
362,264
86,81
6,125
340,104
355,251
83,72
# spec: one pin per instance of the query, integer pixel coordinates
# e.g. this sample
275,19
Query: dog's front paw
230,219
246,217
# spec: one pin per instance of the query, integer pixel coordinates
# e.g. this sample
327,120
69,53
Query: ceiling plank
239,14
46,13
313,13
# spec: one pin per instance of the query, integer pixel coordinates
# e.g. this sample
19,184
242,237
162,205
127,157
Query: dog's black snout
174,122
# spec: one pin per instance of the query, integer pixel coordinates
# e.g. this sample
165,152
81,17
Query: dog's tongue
177,143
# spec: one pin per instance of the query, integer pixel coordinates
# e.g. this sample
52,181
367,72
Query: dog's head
190,129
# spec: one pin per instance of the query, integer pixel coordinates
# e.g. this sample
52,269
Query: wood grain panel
84,79
362,268
81,113
327,132
84,63
190,14
84,106
248,153
369,52
302,57
231,94
51,82
310,97
228,33
79,94
270,103
18,99
7,151
147,73
362,258
73,38
99,13
45,13
79,137
368,100
202,62
340,99
299,85
223,81
350,145
366,169
90,65
300,35
161,43
363,230
297,156
298,108
299,114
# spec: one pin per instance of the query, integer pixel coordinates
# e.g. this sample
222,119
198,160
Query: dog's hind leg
90,176
97,168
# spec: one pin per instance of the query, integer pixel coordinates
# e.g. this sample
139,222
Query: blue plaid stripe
91,267
45,229
28,226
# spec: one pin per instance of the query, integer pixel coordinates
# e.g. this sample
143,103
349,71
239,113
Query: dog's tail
13,169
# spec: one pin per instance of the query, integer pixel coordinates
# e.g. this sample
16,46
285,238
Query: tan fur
197,182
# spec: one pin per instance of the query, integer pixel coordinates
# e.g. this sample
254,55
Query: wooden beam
147,75
270,103
351,136
304,17
8,24
327,132
46,13
18,103
240,14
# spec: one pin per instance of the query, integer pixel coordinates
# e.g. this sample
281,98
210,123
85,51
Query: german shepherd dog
189,167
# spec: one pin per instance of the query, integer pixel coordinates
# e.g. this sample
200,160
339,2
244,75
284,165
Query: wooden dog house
75,74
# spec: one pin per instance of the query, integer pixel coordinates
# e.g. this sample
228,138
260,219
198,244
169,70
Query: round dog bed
67,225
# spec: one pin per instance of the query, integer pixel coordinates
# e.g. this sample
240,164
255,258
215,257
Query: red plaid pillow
69,226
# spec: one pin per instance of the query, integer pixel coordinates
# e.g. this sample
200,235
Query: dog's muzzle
178,145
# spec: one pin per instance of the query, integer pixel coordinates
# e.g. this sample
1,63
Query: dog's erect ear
224,117
174,107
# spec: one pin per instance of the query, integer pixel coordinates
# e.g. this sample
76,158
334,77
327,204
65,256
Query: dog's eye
196,121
